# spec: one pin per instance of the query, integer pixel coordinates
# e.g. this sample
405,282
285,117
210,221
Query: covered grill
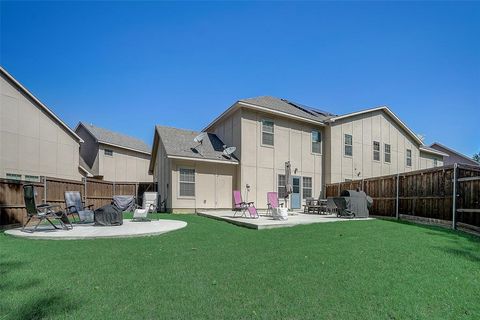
353,203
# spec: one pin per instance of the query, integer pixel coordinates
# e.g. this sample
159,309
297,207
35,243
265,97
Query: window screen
348,145
187,182
267,132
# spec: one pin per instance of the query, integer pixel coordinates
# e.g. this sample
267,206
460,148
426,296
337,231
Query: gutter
200,159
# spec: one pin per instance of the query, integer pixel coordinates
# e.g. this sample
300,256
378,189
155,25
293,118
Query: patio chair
342,210
149,204
272,202
242,206
43,211
74,205
331,207
313,206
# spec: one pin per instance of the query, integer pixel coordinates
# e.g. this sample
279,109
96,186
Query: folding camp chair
242,206
149,204
272,202
342,210
42,212
74,205
331,207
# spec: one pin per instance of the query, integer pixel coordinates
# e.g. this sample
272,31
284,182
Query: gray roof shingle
179,142
115,138
290,107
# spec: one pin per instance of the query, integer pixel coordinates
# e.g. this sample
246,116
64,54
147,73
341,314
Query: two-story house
267,132
112,156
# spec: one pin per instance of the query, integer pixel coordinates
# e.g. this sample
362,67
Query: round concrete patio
89,231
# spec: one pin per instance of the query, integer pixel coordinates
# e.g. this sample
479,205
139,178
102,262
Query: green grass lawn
214,270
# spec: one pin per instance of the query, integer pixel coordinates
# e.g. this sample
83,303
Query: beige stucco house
266,131
112,156
34,142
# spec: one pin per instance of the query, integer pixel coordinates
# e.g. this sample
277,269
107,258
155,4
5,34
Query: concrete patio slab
89,231
267,222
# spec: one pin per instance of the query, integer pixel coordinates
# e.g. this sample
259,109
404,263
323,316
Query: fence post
397,198
113,188
454,196
85,197
44,189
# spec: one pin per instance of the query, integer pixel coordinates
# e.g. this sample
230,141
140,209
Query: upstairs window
435,162
387,155
409,157
348,145
108,152
376,150
316,141
187,182
307,187
267,132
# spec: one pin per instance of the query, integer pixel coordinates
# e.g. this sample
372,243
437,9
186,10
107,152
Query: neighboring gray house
34,142
453,156
113,156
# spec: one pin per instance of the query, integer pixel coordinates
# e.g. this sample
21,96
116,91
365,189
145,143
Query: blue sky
128,66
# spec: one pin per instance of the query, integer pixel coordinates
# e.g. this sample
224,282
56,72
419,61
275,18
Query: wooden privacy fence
51,190
426,195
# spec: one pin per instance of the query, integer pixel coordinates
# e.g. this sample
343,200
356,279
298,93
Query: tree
476,157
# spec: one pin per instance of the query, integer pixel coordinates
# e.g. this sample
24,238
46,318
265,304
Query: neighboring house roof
115,139
40,104
446,149
179,144
387,111
434,151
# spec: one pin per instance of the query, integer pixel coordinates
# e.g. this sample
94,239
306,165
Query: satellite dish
228,151
200,137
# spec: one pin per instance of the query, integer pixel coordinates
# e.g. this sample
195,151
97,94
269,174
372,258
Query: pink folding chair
272,202
242,206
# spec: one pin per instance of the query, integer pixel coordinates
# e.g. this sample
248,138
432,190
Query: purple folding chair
272,202
242,206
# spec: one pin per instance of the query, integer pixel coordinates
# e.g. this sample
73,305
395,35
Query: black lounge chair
42,212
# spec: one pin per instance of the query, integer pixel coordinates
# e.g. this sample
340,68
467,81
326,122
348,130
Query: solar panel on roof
300,106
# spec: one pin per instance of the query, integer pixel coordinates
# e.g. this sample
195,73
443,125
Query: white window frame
271,133
345,145
109,151
435,162
385,153
32,178
280,194
376,151
190,182
320,142
307,188
407,157
13,176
